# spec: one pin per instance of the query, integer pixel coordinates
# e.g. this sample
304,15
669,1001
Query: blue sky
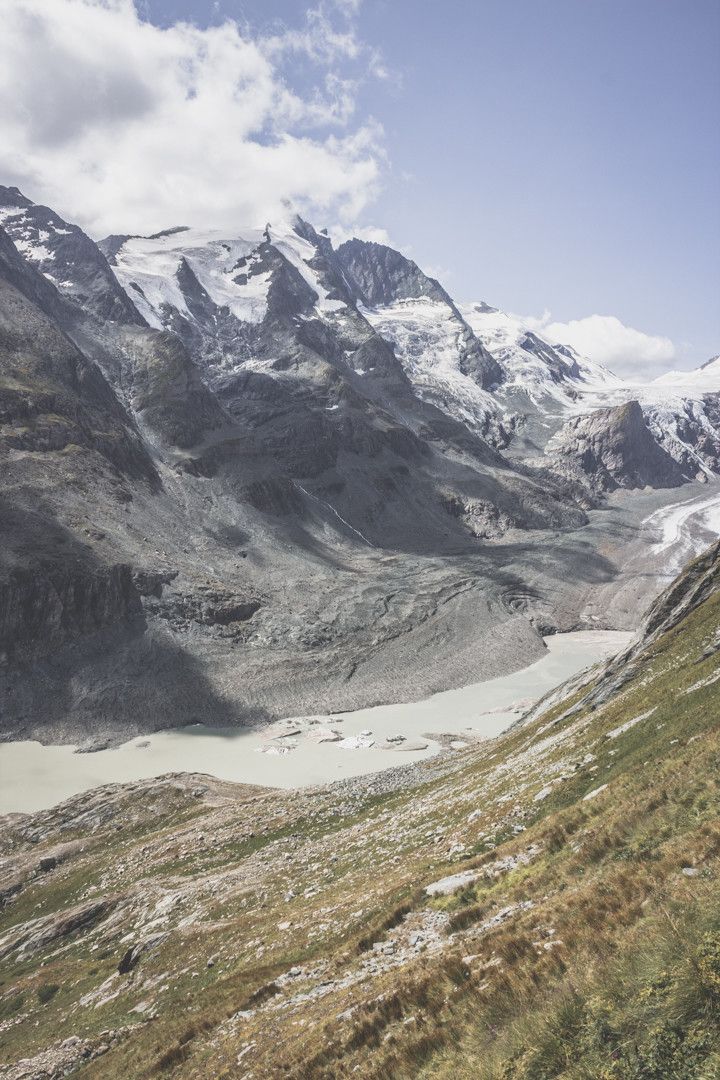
561,155
558,157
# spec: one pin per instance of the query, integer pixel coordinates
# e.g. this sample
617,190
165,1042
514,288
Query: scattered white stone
448,885
708,681
616,732
405,745
594,792
246,1049
356,742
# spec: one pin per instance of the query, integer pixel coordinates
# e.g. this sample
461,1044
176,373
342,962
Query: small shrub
46,992
11,1005
708,962
466,916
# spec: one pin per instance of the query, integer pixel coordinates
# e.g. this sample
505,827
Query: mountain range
248,473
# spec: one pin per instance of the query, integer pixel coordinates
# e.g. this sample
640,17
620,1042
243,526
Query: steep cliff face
382,278
52,397
58,599
66,256
614,448
164,388
380,275
64,436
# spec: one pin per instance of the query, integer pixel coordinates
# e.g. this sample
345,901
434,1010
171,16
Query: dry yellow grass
581,947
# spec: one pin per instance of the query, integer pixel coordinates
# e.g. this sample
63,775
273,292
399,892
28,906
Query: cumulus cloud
125,126
604,338
375,234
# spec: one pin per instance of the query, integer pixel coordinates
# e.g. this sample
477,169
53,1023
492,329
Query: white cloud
320,38
128,127
604,338
374,234
443,274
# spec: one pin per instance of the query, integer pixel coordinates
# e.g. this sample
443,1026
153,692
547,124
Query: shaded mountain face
64,436
66,256
266,476
53,396
382,276
234,476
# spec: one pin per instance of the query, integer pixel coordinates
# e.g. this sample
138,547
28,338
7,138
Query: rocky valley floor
545,905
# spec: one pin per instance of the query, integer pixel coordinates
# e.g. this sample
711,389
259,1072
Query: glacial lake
289,755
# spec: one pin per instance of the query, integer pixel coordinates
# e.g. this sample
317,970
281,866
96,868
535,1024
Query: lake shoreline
305,751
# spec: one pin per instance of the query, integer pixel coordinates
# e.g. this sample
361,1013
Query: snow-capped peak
229,267
705,378
532,364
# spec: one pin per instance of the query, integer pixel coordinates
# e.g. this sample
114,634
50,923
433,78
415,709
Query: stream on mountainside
307,750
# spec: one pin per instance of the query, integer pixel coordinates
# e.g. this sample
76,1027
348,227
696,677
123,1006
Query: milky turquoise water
33,777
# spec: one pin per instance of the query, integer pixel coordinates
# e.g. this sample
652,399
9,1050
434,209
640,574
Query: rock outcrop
614,448
66,256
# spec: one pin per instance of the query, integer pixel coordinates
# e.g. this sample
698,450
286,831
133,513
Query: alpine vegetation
359,636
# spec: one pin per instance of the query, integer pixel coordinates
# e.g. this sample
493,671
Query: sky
560,160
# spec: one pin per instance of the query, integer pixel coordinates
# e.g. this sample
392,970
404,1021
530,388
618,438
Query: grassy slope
581,949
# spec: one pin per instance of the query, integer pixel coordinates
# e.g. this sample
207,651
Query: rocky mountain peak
67,257
13,196
381,275
614,448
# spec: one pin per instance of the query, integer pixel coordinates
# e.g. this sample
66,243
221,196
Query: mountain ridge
362,487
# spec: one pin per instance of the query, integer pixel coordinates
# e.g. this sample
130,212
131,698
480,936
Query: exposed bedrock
614,448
